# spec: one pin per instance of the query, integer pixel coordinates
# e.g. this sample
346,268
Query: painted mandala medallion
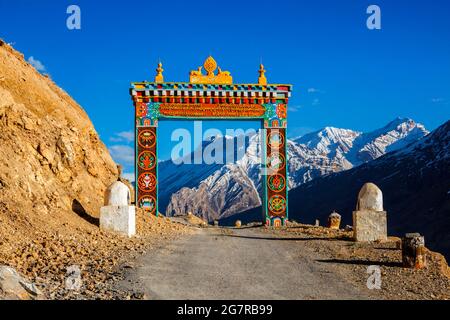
275,139
275,161
148,203
146,160
147,182
146,139
277,204
276,182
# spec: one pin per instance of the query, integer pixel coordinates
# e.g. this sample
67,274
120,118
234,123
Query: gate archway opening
213,96
199,159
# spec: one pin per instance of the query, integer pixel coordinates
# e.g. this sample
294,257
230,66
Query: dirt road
238,264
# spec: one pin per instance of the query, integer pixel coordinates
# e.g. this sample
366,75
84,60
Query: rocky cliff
53,166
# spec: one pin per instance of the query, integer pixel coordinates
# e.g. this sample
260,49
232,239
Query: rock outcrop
220,195
15,287
53,165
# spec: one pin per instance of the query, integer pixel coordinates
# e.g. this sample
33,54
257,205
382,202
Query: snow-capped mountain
218,191
332,149
415,181
225,192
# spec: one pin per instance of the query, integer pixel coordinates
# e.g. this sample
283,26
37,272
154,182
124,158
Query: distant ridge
220,191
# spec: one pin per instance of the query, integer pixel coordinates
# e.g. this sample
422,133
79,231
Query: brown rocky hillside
51,158
53,173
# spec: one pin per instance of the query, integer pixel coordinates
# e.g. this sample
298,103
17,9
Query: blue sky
344,74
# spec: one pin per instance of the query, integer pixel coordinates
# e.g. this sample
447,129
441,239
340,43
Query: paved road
237,264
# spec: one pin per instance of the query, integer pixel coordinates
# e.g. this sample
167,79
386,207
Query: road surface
246,263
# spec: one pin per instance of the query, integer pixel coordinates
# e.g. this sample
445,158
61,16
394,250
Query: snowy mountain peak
436,144
400,123
395,135
329,140
313,155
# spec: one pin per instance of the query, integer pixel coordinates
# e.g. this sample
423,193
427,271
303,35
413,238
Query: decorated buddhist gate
213,96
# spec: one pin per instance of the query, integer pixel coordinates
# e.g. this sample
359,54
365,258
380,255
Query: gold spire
159,76
262,78
210,65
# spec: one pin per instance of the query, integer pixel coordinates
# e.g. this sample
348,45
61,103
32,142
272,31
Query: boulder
14,287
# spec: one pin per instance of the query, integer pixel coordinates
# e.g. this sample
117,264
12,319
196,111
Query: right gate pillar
275,171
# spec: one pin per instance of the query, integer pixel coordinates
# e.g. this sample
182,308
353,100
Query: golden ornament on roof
159,76
210,65
262,78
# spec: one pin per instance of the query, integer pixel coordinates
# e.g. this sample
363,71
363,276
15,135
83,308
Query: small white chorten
117,214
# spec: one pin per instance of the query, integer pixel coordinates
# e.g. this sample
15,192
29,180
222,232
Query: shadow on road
362,262
243,227
278,238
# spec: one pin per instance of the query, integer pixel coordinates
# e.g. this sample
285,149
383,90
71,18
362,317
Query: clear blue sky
344,75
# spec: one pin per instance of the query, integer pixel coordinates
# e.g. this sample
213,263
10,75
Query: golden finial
262,78
210,65
159,76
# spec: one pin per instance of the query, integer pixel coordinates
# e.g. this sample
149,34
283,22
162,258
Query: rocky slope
53,173
202,189
415,181
51,157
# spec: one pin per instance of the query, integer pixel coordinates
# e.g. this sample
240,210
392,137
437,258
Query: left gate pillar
146,162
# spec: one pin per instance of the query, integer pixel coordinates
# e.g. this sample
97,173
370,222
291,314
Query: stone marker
216,223
15,287
238,223
334,220
317,224
118,215
413,251
369,219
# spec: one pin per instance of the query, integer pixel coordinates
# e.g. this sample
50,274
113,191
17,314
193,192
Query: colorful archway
213,96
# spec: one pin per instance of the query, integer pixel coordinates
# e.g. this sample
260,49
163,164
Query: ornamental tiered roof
210,88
